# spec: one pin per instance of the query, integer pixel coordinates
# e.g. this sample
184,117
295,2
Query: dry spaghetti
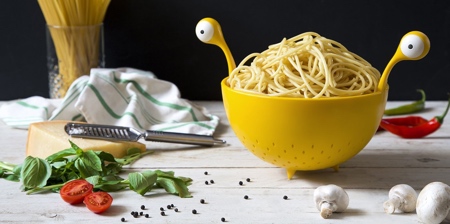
307,65
75,28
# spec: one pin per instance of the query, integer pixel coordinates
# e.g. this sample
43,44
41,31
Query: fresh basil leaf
5,174
165,173
142,182
11,177
84,169
130,158
78,150
35,172
111,183
94,179
17,169
91,159
174,186
61,155
132,151
113,168
105,156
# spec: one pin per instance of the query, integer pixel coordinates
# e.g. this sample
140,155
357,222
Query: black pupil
410,46
202,31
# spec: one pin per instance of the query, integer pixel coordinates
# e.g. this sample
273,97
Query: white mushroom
402,197
330,198
433,203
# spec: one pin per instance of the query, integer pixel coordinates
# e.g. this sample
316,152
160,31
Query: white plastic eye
412,46
204,31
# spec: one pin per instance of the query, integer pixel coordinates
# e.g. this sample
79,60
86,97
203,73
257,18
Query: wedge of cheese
48,137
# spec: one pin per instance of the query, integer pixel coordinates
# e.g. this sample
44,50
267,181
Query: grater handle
182,138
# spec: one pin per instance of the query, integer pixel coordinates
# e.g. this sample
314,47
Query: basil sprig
99,168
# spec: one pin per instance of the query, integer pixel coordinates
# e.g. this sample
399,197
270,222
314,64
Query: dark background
158,35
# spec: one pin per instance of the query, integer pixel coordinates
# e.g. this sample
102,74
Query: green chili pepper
413,107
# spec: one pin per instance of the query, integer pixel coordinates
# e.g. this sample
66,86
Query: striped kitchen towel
124,97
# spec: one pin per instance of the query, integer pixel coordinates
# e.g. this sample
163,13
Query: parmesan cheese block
48,137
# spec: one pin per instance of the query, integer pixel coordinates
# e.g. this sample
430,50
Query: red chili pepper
413,126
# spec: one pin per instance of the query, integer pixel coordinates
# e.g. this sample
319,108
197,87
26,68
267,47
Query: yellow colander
307,133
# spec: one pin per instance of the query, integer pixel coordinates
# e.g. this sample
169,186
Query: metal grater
119,133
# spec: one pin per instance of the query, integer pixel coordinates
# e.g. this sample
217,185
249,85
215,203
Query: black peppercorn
206,182
163,213
162,209
285,197
176,209
122,219
142,207
194,211
132,213
169,207
141,213
147,216
211,181
222,219
241,183
206,173
248,179
246,197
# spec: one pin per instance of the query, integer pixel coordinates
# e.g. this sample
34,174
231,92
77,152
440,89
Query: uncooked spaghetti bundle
307,65
75,27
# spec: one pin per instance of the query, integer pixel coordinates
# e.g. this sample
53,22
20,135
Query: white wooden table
386,161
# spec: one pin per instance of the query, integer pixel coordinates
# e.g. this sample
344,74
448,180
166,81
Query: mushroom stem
330,198
327,209
402,198
391,204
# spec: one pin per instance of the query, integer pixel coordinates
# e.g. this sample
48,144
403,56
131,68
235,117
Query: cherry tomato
73,192
98,202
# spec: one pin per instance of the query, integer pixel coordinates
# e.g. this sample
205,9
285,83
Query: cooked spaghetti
307,65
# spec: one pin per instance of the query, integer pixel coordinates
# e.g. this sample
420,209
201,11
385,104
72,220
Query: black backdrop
158,35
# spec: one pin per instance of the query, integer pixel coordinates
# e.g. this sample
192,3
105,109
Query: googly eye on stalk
204,31
208,31
413,46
